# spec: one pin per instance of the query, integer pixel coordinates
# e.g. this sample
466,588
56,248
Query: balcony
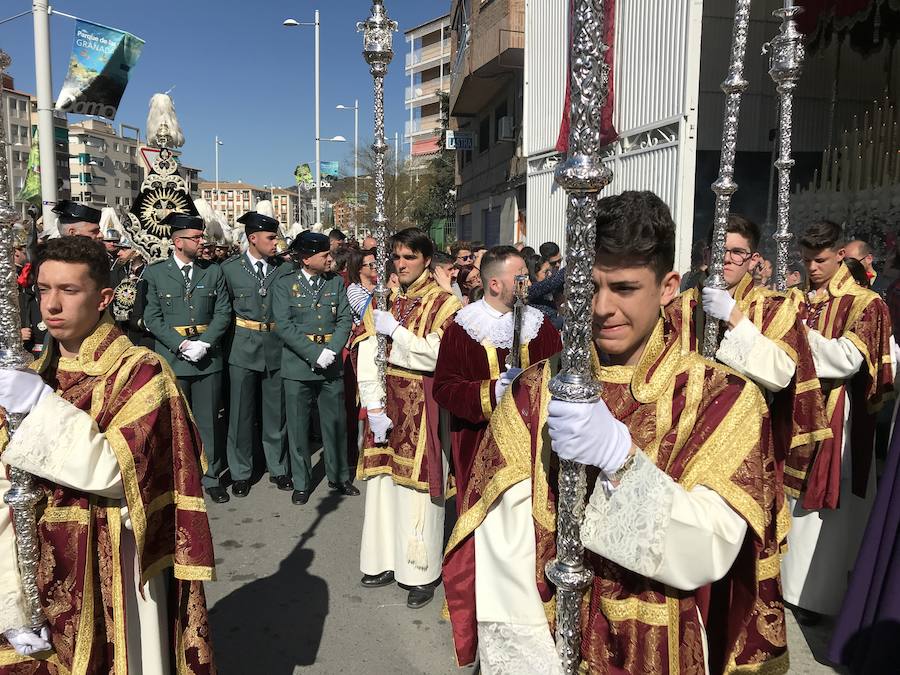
423,90
427,55
423,125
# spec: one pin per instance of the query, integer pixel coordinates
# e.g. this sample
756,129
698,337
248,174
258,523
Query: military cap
310,243
254,222
183,221
72,212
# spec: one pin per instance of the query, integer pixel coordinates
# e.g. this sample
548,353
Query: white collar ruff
482,322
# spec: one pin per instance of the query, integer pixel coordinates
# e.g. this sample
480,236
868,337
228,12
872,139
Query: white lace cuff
735,347
516,649
628,525
12,602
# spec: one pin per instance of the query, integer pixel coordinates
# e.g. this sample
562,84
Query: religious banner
101,61
31,189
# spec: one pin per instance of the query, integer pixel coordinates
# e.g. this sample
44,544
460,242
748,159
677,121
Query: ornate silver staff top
785,68
23,496
733,86
582,176
378,51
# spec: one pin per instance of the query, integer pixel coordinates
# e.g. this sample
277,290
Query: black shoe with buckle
300,497
419,596
218,494
345,488
240,488
377,580
282,482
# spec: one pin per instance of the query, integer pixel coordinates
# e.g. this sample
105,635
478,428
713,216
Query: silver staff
582,176
785,68
724,187
514,360
378,51
24,495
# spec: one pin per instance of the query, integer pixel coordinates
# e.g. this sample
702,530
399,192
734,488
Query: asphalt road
288,597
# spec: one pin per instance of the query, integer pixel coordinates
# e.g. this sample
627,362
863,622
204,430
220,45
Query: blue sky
239,74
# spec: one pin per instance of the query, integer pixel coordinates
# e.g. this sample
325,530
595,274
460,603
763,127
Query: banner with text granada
102,59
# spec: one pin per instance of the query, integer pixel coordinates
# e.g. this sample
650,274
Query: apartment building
233,199
105,164
428,73
486,106
284,202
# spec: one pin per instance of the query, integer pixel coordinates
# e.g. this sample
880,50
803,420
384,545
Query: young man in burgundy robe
472,371
680,526
123,535
849,334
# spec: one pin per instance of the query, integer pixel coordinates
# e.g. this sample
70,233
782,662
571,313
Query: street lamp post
355,110
290,23
218,196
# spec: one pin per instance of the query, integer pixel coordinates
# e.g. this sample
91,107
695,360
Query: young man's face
189,243
71,302
740,258
503,284
265,243
83,229
464,257
410,265
555,261
821,265
626,307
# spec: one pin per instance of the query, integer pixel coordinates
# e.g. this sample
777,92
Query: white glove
717,303
202,348
589,434
326,358
26,642
385,323
194,350
505,380
21,390
380,424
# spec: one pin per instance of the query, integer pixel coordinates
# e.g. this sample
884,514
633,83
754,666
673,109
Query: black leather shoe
282,482
241,488
376,580
346,488
300,497
419,596
218,494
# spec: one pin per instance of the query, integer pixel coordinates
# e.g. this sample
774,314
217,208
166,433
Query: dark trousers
250,391
202,392
299,400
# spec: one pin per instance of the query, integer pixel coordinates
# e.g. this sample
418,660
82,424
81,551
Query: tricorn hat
72,212
254,221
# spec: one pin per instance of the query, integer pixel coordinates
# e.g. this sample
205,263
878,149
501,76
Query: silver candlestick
724,187
583,176
23,495
378,51
785,68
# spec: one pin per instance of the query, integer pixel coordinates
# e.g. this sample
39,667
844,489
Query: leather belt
190,331
255,325
320,339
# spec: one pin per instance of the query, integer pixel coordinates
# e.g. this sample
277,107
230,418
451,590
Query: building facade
428,74
233,199
105,164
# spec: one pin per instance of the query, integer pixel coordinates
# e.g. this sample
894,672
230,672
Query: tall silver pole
378,51
318,153
785,68
724,187
583,176
356,169
23,495
396,174
218,142
44,84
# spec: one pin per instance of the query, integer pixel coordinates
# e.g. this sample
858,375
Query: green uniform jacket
299,312
252,349
169,304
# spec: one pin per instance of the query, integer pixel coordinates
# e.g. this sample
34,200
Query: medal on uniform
42,326
263,291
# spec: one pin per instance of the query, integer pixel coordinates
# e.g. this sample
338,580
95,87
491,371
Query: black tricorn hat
72,212
257,222
310,243
183,221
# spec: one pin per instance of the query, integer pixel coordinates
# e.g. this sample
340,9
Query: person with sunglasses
363,275
189,313
461,251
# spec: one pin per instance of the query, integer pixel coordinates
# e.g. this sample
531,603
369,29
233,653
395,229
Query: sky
236,72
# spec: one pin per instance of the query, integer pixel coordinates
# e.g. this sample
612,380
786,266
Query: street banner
31,189
101,61
331,169
304,177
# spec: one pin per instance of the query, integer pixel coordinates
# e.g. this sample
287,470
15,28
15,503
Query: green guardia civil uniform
254,366
312,315
199,309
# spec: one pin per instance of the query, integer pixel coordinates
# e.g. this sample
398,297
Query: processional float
23,495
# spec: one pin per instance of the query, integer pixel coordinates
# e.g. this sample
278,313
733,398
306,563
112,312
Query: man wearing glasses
189,312
550,252
462,254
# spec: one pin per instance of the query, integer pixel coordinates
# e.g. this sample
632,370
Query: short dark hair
821,235
527,251
337,235
439,258
355,258
534,262
549,249
636,228
743,226
496,257
77,250
415,240
458,246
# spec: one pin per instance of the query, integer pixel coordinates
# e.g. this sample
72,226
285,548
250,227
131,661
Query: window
127,184
116,147
484,135
118,201
118,183
490,223
499,113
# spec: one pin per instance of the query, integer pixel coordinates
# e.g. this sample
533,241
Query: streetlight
355,109
292,23
218,197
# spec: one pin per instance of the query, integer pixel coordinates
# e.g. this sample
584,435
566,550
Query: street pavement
288,599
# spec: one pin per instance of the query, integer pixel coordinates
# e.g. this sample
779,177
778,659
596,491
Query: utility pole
41,13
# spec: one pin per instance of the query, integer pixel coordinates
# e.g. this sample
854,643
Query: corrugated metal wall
546,208
546,34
